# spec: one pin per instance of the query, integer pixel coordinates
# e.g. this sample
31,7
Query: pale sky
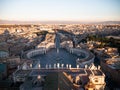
60,10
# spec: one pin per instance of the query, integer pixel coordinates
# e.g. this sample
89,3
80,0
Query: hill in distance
56,22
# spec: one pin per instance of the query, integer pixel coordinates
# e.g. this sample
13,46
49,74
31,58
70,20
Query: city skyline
62,10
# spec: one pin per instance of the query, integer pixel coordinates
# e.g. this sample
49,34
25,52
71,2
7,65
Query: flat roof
22,72
97,72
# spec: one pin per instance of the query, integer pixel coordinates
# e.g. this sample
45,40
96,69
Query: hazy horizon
60,10
57,22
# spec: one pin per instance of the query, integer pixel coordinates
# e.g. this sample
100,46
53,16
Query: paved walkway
51,57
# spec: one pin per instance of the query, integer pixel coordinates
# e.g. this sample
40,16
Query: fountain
24,67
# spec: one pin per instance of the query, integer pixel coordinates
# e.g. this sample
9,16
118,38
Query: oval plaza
72,66
60,55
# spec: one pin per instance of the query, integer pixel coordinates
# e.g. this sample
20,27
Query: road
36,72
